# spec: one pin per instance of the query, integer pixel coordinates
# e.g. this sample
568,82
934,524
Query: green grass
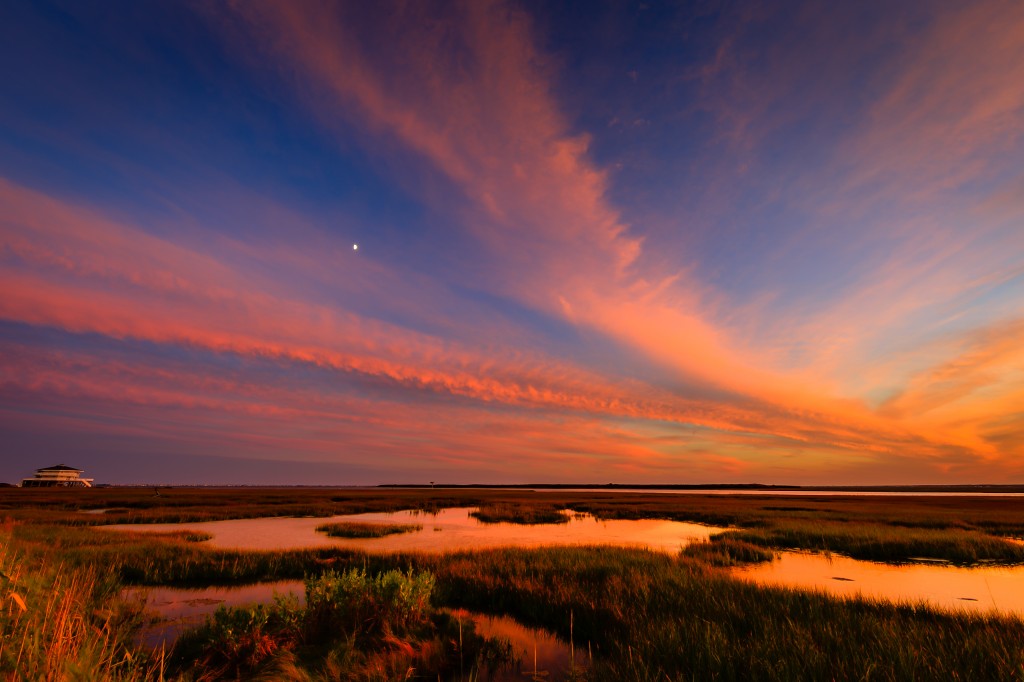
887,543
645,615
353,529
652,616
959,529
655,617
354,625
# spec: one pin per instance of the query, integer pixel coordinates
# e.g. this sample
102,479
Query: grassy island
356,530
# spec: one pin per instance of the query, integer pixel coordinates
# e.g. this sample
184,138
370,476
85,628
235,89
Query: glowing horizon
499,242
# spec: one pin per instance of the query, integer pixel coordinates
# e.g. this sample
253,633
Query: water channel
984,589
449,530
539,654
981,589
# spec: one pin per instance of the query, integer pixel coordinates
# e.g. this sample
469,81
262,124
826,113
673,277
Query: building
60,476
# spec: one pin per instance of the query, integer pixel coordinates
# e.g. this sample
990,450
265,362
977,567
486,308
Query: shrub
354,602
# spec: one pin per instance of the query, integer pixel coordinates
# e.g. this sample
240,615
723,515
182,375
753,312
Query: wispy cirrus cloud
76,271
530,316
481,110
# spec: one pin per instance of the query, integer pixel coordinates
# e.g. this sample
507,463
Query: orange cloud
492,126
466,91
63,274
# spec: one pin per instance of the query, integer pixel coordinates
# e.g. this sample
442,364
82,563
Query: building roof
60,467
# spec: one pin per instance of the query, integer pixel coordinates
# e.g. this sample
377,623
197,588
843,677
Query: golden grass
523,514
647,616
60,622
354,625
356,530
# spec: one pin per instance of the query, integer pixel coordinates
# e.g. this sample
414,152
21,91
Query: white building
60,476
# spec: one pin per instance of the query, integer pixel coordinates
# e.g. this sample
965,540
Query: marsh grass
726,550
644,615
521,514
354,625
890,529
353,529
959,529
649,616
64,623
191,505
888,543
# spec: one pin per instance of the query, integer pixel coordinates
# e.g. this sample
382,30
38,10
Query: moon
355,247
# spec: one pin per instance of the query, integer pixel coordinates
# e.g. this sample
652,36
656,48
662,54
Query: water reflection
179,609
450,529
540,654
980,589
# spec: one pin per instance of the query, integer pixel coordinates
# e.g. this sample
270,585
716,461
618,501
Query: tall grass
727,550
653,617
889,543
645,615
63,623
519,513
354,625
960,529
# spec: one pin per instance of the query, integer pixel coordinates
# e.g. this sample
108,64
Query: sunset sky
598,242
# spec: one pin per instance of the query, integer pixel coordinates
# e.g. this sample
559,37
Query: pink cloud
471,96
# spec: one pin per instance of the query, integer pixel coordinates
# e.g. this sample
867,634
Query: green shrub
357,603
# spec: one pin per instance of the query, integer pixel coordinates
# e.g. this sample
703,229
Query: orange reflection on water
980,589
538,652
182,608
450,529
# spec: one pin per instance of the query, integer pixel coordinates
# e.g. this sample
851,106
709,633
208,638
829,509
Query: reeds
647,615
60,623
883,542
652,616
521,514
357,530
354,625
960,529
726,550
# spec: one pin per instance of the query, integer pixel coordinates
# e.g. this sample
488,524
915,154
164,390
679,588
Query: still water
539,653
448,530
179,609
981,589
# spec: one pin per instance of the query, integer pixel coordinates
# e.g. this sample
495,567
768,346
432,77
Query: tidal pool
540,654
448,530
180,608
979,589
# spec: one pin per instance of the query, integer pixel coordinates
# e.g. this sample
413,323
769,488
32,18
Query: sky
597,241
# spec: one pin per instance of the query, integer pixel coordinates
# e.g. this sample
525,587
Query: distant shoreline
976,489
964,488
